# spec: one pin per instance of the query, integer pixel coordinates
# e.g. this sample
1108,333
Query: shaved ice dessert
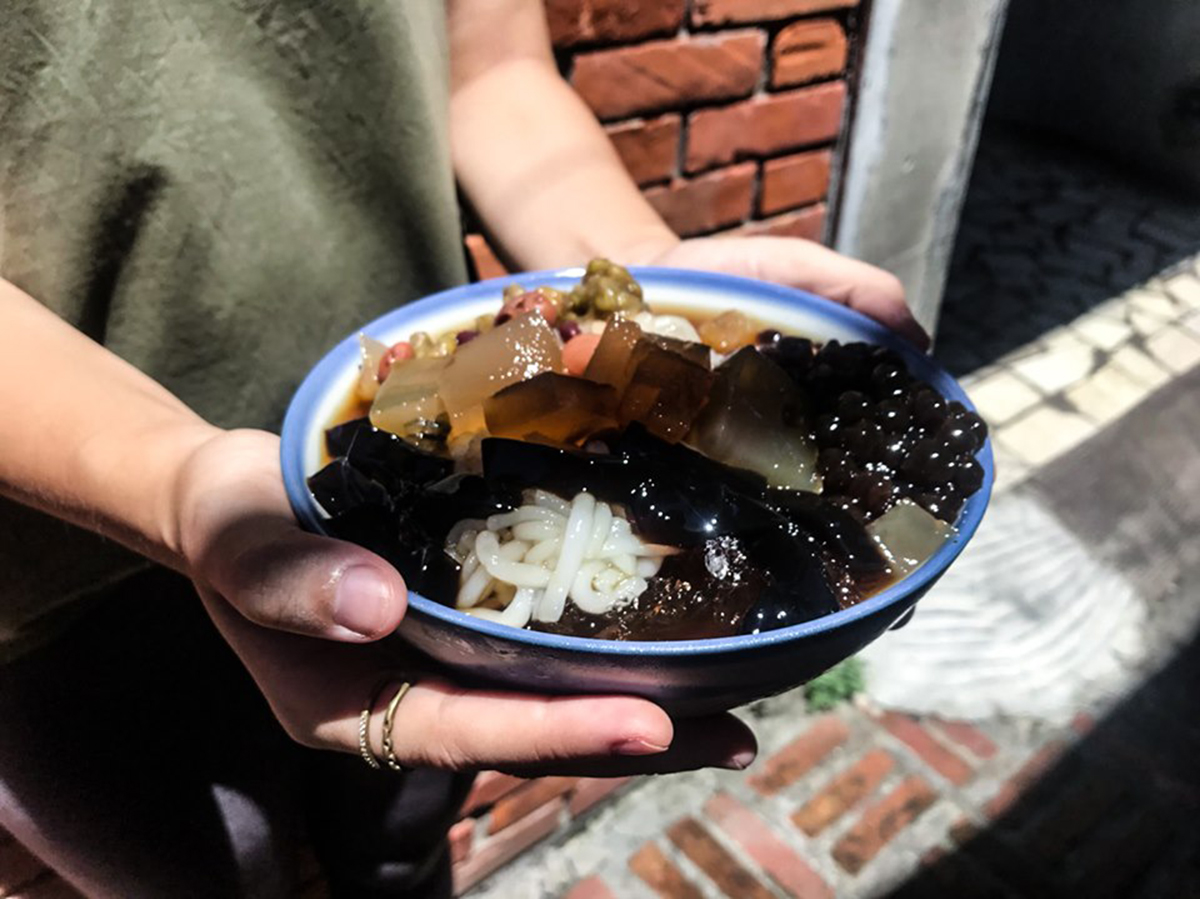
580,464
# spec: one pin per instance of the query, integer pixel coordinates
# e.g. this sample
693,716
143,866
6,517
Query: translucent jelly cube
409,394
667,387
755,419
908,535
610,362
729,331
514,351
553,407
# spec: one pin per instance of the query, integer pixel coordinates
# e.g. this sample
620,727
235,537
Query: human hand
293,605
796,263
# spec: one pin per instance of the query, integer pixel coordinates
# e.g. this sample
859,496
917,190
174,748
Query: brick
808,51
795,760
660,874
714,200
521,802
658,75
591,790
791,181
488,787
18,866
590,888
649,149
932,753
968,737
1029,774
880,823
589,21
844,792
725,12
770,853
765,125
714,860
462,835
504,847
807,223
487,263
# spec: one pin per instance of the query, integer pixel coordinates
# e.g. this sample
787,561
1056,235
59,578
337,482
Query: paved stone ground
1067,633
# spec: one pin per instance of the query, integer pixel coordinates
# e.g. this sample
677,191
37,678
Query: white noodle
536,531
550,501
518,611
600,528
513,551
524,513
544,551
487,547
460,532
525,564
648,566
474,589
569,558
469,564
583,593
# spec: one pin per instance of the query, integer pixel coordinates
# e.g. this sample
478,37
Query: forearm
534,162
86,436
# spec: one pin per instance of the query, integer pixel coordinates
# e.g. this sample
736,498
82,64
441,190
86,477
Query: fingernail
739,761
637,747
362,600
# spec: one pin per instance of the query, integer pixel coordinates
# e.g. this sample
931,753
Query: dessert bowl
686,677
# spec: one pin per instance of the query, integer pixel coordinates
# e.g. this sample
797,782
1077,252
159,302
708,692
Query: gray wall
1122,76
926,69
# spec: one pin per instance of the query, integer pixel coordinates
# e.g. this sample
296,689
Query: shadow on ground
1047,233
1114,814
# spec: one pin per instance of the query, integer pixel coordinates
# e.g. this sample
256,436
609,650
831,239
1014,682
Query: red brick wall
728,113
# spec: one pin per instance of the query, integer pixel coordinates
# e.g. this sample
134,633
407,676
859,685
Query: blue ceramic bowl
688,677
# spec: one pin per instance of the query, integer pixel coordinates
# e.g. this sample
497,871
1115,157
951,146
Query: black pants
138,759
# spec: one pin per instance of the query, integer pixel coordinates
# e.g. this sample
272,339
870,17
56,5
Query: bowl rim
299,420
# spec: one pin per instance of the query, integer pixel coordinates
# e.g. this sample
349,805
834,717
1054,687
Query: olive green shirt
216,190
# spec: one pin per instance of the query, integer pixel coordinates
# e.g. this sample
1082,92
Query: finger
443,726
284,578
715,741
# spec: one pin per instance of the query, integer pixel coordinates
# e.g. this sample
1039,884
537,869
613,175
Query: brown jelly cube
610,363
666,389
552,407
514,351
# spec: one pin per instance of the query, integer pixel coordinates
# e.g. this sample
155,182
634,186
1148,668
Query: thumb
240,539
282,577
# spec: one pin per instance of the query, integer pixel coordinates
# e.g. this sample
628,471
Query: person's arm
552,191
89,438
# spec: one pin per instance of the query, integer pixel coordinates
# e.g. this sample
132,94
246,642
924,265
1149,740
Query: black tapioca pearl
837,469
929,410
893,415
853,405
828,430
968,476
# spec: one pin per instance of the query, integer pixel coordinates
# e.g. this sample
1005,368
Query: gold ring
364,723
389,719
